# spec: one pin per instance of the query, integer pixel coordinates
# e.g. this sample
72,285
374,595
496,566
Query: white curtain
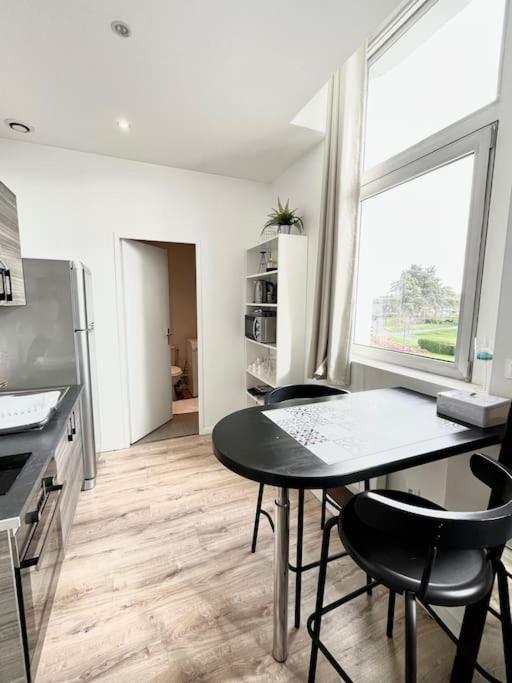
333,304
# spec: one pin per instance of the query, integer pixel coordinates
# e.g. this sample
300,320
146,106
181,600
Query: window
443,68
424,201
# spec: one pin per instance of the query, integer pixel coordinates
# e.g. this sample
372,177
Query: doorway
160,306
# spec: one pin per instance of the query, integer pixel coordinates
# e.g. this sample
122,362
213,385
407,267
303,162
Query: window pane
411,263
443,68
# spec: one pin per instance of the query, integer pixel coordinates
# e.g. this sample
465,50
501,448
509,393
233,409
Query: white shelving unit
288,352
261,305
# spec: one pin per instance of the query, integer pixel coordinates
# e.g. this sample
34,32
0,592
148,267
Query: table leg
281,552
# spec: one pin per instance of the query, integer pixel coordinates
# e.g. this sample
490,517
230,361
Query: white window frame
475,133
480,144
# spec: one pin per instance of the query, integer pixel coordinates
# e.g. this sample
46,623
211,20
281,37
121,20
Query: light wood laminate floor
159,585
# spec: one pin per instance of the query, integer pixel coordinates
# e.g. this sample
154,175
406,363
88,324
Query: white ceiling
209,85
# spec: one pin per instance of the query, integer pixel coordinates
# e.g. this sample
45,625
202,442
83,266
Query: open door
147,318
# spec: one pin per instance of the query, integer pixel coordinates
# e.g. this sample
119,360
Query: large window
443,68
425,189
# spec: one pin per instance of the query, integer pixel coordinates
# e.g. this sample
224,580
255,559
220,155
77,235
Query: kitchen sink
10,467
21,411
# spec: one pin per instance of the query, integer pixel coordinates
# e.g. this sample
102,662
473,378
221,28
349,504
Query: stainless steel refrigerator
50,341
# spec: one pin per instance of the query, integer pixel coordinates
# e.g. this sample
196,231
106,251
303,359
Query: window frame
407,15
481,144
475,133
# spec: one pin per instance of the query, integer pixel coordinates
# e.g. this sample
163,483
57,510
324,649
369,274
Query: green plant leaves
283,215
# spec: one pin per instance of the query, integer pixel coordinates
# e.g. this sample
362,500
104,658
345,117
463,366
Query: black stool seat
458,576
428,554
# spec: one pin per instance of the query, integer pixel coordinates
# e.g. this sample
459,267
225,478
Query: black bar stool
281,395
419,550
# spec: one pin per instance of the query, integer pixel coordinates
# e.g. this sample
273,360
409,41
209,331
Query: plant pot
284,229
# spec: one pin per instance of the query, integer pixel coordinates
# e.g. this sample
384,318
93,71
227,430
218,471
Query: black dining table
379,432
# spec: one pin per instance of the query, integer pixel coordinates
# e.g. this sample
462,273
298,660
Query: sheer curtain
333,303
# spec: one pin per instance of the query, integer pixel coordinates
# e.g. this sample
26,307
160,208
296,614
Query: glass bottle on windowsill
484,354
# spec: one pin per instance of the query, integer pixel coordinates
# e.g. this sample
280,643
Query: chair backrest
439,528
298,391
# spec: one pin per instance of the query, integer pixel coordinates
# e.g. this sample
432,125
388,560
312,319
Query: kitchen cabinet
36,517
70,470
12,286
12,659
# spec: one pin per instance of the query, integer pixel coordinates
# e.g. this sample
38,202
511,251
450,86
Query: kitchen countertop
41,444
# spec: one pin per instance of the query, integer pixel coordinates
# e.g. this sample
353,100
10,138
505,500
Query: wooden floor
160,585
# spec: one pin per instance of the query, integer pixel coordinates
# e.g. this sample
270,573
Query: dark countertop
41,444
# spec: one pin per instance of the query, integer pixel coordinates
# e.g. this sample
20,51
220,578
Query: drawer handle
3,285
8,285
73,423
70,430
27,562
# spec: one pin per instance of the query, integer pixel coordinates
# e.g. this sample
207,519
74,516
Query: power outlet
415,492
508,368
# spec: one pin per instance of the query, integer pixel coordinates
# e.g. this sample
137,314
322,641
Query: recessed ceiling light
18,126
121,29
124,125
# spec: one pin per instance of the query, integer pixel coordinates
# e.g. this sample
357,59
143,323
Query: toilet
176,371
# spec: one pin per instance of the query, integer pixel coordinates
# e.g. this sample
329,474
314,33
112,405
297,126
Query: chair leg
257,518
324,509
320,597
298,573
391,614
410,638
506,619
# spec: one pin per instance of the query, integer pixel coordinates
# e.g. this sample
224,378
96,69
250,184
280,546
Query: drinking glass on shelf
263,262
484,354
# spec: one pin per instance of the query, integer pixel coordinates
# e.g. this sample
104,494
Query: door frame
120,290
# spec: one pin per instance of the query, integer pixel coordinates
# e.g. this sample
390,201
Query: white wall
302,184
71,205
500,384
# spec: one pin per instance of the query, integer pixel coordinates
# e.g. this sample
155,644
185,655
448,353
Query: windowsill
435,382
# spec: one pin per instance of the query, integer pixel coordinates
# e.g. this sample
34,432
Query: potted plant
284,218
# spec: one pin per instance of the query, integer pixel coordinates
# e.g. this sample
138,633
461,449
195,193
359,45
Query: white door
147,317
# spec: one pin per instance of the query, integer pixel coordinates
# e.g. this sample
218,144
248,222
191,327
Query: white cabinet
282,362
12,286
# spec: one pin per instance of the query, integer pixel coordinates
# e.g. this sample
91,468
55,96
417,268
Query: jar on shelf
271,262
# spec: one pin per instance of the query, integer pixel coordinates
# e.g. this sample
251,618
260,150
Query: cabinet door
70,471
10,252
